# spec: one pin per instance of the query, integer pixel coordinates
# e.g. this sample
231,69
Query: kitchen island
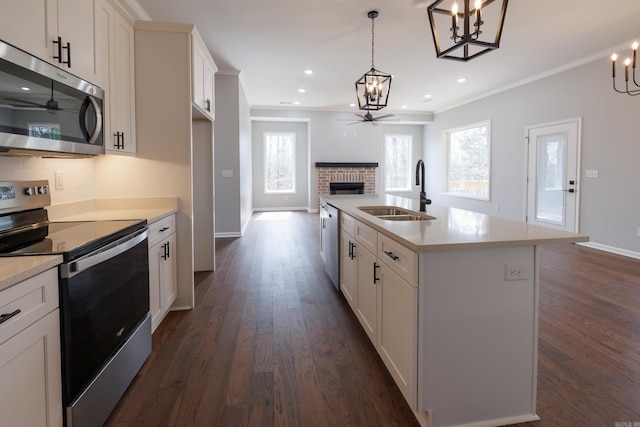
451,305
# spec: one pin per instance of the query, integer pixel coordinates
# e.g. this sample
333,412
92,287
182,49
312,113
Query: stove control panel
23,195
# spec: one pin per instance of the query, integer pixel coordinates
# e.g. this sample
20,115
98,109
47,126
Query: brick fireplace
328,173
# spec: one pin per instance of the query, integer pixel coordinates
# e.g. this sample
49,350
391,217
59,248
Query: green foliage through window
280,162
468,161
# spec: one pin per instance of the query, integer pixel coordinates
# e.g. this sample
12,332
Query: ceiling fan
366,118
51,105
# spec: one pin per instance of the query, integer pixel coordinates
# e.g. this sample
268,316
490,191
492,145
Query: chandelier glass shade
373,88
463,33
631,86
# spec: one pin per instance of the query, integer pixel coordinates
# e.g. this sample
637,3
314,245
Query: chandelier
468,28
635,88
372,89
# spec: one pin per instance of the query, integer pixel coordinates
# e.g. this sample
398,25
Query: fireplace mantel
346,164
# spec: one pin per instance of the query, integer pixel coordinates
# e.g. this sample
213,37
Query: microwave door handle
91,139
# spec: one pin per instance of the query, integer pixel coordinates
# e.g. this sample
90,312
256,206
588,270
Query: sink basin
394,213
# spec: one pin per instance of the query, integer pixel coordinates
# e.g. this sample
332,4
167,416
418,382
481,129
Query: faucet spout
423,196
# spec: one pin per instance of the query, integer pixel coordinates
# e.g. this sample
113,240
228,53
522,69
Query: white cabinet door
30,25
169,279
116,41
348,268
76,27
367,292
30,377
203,84
397,337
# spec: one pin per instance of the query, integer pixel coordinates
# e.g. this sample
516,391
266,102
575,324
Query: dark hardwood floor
271,342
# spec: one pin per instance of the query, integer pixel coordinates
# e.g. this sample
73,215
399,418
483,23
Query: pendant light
466,29
635,87
372,89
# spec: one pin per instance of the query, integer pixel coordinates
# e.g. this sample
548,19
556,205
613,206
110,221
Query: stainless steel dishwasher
331,242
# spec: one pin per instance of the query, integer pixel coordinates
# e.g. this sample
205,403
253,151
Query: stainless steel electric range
104,296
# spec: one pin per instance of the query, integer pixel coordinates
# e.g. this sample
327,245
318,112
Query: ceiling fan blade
363,117
383,117
25,102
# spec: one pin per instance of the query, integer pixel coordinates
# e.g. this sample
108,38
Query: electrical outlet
516,272
59,180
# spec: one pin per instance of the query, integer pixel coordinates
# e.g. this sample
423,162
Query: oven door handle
114,249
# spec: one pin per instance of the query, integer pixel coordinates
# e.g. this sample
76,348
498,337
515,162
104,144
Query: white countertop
14,270
452,229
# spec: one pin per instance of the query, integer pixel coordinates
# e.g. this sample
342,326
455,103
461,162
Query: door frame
527,129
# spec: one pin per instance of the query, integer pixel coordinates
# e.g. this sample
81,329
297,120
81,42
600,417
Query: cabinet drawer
34,298
399,258
366,236
161,229
347,223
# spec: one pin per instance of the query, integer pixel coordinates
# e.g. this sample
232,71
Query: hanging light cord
372,38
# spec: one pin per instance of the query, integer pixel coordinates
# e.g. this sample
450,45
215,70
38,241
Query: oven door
103,297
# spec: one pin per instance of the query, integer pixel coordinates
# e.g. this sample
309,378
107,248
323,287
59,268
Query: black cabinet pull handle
7,316
58,41
68,61
163,229
391,255
353,251
164,251
350,250
208,101
375,269
168,249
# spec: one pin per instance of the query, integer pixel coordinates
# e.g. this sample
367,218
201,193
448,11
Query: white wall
334,139
232,144
609,206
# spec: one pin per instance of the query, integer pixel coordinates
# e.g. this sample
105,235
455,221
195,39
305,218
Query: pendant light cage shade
372,90
465,29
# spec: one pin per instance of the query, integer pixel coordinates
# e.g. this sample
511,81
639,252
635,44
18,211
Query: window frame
265,139
384,159
446,137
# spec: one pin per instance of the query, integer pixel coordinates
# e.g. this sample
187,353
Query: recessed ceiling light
296,103
308,71
302,90
25,88
404,106
352,105
428,95
461,80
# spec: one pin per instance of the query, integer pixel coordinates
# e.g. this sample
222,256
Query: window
280,162
466,166
397,162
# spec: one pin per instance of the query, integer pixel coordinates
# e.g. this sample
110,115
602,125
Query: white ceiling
273,42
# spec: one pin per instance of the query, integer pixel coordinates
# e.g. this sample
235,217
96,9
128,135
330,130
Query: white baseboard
612,249
231,234
313,210
277,209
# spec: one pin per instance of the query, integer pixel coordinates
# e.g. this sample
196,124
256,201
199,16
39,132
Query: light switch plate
227,173
592,173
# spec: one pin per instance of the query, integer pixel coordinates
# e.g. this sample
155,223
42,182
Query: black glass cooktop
71,239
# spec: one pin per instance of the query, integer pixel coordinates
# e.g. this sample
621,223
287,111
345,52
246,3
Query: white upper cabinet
204,70
58,31
115,53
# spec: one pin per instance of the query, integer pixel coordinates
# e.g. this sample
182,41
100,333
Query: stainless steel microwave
45,111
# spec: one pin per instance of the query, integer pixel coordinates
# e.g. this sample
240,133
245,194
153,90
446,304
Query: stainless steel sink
394,213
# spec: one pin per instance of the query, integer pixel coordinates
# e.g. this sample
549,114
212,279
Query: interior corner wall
232,139
609,210
246,170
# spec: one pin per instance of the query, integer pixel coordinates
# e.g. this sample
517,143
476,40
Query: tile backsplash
77,175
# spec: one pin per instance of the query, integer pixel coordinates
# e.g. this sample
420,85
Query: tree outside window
397,162
280,162
467,165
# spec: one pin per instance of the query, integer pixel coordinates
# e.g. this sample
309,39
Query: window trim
384,159
265,137
446,137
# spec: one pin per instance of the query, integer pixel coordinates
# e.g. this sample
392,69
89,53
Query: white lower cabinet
163,283
347,259
386,304
30,373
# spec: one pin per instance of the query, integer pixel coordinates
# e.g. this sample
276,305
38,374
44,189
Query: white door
552,175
